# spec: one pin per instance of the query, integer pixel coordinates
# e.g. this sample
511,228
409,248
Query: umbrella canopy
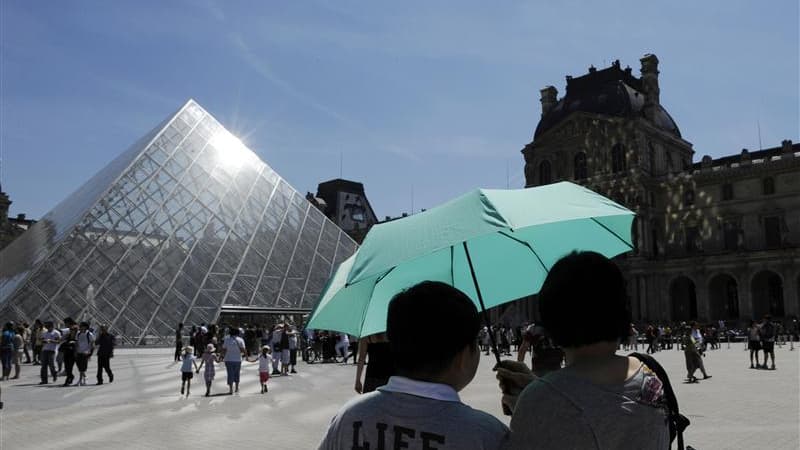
494,245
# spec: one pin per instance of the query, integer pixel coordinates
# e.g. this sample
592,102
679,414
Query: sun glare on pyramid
232,152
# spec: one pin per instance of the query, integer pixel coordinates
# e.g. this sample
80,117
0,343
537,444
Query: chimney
650,83
549,99
21,217
786,146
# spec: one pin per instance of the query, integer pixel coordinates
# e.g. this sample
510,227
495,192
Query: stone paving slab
738,408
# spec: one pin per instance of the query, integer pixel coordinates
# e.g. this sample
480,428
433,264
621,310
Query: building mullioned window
580,166
772,231
618,158
727,191
769,186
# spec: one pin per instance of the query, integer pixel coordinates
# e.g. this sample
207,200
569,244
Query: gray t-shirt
388,420
564,411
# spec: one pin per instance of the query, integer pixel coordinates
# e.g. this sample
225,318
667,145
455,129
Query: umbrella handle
484,313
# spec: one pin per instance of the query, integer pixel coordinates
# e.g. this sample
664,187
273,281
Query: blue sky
434,98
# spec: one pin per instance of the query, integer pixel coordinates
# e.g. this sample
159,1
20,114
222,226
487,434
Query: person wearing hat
187,363
209,359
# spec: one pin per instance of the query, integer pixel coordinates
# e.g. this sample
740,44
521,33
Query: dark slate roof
612,91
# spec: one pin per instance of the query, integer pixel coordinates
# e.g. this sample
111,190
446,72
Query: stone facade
10,228
717,239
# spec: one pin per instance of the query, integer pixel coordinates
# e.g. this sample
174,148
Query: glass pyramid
186,221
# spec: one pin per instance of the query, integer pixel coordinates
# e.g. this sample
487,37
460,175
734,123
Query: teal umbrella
495,245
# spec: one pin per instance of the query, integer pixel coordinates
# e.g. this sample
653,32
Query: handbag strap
676,419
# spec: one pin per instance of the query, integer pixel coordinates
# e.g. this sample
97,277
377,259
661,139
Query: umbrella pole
483,307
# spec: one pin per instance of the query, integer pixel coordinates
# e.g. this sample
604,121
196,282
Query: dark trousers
69,363
82,361
48,360
7,357
178,350
103,363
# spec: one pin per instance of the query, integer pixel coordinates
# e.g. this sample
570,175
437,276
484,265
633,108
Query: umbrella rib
527,244
613,233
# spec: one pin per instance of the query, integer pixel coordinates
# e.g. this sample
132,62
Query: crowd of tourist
274,348
60,351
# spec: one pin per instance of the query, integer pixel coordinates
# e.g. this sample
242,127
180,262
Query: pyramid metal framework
186,221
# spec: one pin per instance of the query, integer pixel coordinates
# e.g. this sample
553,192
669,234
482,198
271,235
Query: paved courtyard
738,408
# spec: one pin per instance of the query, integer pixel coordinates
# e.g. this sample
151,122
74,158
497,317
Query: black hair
583,301
233,331
428,325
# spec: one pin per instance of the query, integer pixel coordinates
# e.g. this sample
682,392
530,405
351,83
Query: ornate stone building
716,239
10,227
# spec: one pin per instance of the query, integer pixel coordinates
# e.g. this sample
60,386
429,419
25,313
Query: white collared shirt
436,391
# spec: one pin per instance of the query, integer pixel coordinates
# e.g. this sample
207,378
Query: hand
359,388
512,377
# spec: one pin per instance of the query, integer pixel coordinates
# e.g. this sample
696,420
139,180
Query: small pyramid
184,222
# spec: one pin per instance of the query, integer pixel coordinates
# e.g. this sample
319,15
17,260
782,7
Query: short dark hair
428,325
583,301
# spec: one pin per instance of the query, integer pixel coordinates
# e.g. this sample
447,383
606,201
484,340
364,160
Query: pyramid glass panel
184,223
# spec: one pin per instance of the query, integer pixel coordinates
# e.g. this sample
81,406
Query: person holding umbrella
420,407
599,399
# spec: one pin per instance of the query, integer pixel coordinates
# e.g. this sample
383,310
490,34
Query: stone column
745,295
791,302
703,301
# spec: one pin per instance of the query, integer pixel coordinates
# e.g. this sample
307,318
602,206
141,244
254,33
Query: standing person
374,352
7,349
26,341
420,406
599,399
67,350
285,353
768,340
50,340
36,341
264,359
209,359
275,342
754,343
232,349
692,356
105,351
68,322
293,349
19,345
633,340
188,365
342,344
178,341
699,344
84,347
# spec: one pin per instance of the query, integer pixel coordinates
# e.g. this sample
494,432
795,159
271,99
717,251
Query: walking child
264,360
209,358
187,367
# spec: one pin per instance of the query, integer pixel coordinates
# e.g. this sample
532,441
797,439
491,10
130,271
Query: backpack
677,421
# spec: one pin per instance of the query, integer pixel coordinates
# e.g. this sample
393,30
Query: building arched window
769,186
617,158
580,166
652,154
544,173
